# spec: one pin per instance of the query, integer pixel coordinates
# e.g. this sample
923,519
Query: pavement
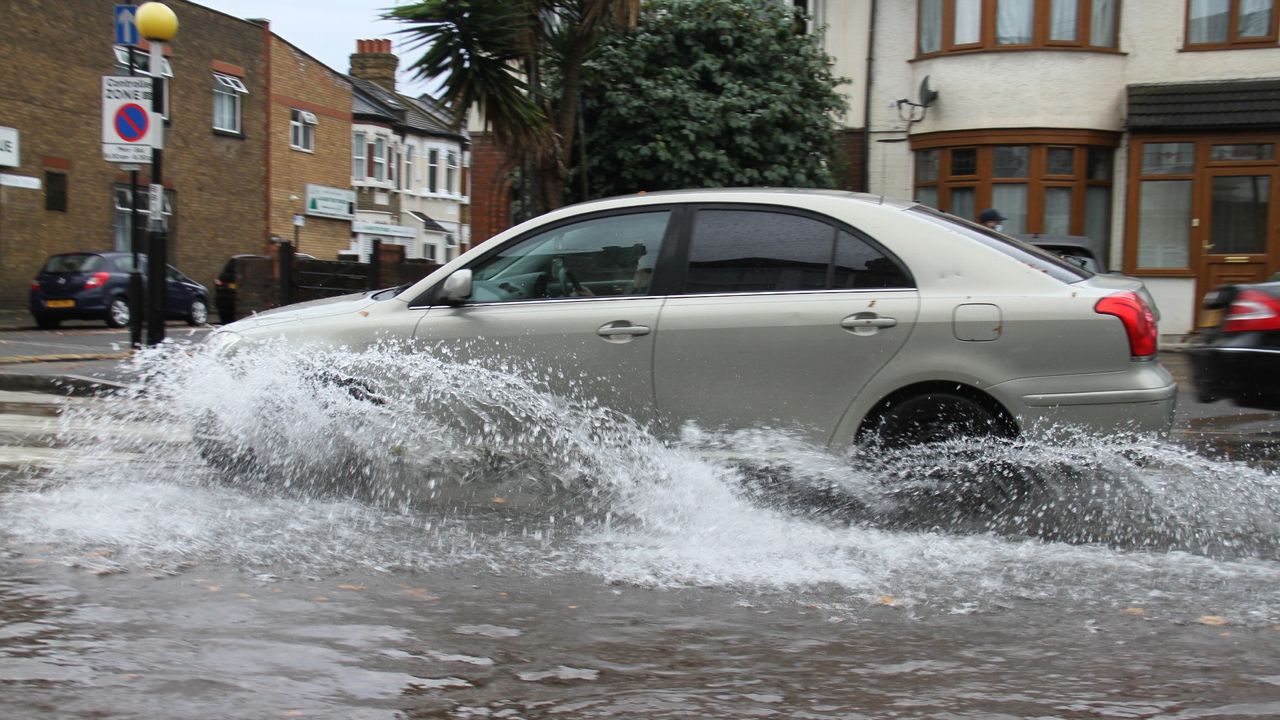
1220,428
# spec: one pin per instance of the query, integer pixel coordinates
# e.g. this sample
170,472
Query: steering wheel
569,284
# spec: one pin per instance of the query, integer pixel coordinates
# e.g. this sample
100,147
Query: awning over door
1211,105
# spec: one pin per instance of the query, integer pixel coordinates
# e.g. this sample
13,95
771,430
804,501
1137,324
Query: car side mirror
457,288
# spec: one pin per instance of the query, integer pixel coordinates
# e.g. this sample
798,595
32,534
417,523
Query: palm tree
498,57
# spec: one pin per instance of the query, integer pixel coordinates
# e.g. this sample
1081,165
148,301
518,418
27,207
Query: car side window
736,251
600,257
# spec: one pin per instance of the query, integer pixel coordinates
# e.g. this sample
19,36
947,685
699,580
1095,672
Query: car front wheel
118,312
199,313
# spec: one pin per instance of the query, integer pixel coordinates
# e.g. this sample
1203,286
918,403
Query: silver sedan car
841,316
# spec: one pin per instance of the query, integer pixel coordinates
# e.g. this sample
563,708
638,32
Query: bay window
964,25
1044,183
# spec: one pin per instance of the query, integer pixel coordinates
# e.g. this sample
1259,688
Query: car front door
781,319
567,305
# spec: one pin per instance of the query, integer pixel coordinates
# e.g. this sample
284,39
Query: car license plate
1211,318
59,303
231,286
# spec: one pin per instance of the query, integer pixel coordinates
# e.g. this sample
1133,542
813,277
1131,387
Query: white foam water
392,458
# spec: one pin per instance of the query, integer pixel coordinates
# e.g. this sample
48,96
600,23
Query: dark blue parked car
95,285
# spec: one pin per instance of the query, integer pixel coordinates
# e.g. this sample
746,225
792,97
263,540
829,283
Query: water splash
394,458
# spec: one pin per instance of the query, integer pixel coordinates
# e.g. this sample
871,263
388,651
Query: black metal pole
136,286
284,255
157,234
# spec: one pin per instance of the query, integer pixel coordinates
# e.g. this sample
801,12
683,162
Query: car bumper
83,307
1141,399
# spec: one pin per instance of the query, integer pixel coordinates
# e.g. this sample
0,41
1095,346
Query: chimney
374,62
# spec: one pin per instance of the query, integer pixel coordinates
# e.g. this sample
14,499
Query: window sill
1268,44
228,133
1018,49
311,151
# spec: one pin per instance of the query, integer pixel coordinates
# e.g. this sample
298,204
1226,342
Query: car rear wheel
45,322
118,312
936,416
199,312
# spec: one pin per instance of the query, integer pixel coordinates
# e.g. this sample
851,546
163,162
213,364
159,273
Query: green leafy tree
710,93
496,56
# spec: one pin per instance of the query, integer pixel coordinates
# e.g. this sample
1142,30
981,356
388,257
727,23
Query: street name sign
9,147
129,129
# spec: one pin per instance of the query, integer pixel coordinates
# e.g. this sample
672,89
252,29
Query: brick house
63,196
308,156
409,166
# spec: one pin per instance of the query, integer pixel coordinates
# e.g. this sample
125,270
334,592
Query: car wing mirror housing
457,288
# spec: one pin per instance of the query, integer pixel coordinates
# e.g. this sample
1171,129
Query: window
378,159
406,180
227,90
302,130
1058,188
451,173
604,256
737,251
965,25
357,156
121,219
1226,23
55,191
433,163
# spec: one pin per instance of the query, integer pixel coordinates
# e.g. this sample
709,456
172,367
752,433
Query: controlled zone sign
129,128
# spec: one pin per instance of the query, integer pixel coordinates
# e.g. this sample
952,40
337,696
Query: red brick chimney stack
373,61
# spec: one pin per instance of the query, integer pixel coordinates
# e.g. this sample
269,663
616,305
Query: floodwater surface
392,535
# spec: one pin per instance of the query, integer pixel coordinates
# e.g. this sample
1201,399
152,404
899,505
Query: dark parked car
226,287
95,286
1237,357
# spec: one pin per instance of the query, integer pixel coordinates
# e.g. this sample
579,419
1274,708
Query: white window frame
379,158
227,90
142,68
120,216
452,170
407,178
358,167
433,170
302,130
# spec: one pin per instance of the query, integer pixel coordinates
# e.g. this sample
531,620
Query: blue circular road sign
131,122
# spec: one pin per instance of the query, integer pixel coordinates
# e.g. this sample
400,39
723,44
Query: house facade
409,167
1146,128
308,189
60,195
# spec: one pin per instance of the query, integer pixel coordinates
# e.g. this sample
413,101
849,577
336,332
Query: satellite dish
927,96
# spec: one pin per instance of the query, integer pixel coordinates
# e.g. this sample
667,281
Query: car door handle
866,320
608,331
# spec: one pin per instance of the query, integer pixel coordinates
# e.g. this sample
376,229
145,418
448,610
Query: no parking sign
129,128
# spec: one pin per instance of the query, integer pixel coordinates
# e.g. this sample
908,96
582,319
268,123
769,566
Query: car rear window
1042,260
72,263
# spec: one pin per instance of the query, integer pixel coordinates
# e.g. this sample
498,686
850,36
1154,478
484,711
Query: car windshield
1044,261
82,262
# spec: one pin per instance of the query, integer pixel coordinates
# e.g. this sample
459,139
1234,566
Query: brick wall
490,189
298,81
54,56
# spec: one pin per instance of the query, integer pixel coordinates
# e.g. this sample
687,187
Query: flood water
414,538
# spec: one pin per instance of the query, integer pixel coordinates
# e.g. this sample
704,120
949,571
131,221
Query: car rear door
567,305
780,319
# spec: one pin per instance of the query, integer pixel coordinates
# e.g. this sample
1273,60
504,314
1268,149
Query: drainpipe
866,102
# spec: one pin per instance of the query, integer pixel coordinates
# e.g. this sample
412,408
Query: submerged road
540,576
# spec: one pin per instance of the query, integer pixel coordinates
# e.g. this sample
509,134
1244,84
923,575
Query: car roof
754,194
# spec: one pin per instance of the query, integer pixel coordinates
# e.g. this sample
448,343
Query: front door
1237,223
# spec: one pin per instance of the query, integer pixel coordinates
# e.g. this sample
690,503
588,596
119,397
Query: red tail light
35,283
1139,322
1252,310
96,280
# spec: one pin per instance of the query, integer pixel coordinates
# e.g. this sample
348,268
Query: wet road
546,572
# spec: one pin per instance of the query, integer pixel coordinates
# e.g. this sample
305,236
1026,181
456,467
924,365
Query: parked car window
735,251
605,256
72,263
1046,262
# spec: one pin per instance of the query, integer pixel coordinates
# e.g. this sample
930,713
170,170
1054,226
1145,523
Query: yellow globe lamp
156,22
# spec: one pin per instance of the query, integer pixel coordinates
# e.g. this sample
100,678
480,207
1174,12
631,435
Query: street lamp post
158,24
